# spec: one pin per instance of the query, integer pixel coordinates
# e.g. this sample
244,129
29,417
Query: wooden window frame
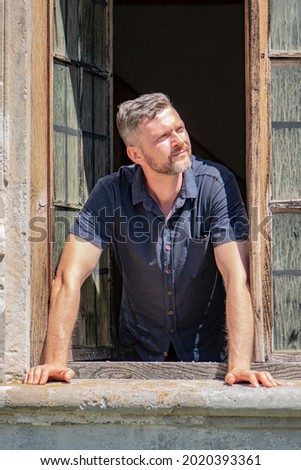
258,161
259,164
41,174
93,335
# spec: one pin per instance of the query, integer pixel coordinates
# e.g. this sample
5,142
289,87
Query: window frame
41,175
259,185
258,161
90,342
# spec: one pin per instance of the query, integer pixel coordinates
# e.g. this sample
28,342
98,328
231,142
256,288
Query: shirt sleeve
229,221
94,221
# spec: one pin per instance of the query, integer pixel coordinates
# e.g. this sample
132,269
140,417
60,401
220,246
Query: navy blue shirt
173,292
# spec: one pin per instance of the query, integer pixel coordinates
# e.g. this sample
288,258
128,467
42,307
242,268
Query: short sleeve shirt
172,289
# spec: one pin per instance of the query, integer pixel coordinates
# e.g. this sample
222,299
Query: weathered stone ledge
149,414
90,399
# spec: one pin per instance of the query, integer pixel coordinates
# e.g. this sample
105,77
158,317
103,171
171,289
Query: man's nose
176,139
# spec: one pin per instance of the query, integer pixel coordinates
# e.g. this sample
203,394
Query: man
179,232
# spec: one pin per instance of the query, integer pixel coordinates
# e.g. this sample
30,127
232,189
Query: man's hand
39,375
254,377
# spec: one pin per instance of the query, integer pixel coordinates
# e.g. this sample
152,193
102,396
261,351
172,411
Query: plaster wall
14,186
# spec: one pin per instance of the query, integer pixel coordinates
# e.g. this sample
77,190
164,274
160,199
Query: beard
170,167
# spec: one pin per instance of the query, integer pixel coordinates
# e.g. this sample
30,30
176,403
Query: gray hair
132,112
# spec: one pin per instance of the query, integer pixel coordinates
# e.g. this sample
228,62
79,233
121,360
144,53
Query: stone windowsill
103,400
149,414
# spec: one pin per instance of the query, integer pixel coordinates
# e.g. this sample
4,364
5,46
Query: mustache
179,150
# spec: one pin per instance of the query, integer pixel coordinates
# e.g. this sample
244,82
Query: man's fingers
230,378
267,380
69,374
62,375
40,375
30,376
253,377
241,376
44,377
34,375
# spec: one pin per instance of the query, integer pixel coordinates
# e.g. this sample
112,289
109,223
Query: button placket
169,279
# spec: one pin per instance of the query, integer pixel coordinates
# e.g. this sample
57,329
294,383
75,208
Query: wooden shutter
81,155
274,137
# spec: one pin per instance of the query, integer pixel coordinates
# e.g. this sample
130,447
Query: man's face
164,143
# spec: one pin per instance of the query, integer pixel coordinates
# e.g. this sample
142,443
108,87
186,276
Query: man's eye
163,136
181,129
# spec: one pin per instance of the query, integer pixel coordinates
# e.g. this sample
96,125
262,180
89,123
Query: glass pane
286,25
59,166
87,31
66,168
287,281
72,176
72,29
286,241
59,27
286,92
101,36
286,164
63,221
95,104
101,111
66,134
287,313
94,34
87,102
66,28
59,95
72,95
286,136
96,161
101,158
66,96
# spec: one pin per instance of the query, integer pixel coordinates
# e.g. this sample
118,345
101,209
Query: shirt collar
189,184
137,188
189,189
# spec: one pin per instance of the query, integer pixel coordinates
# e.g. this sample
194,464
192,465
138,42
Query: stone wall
2,192
14,186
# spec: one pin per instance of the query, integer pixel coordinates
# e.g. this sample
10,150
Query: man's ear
134,154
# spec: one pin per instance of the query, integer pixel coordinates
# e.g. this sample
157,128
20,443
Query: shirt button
169,292
171,330
167,248
170,312
168,271
165,354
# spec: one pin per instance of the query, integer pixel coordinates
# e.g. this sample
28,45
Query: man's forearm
240,326
62,317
